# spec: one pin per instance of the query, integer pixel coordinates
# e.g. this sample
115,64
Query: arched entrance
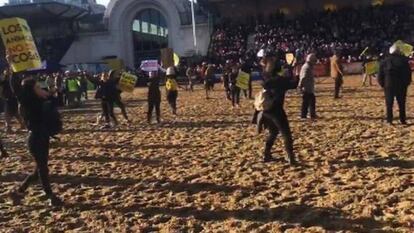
149,35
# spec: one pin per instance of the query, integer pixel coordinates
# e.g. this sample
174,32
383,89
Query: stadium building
72,32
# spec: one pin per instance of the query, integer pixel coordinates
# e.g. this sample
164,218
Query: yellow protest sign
176,60
19,44
372,67
242,80
127,82
290,58
405,48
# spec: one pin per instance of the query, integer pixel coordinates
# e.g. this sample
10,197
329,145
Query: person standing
395,77
84,84
171,87
209,80
154,97
3,151
73,90
226,79
40,117
235,90
273,115
307,87
11,87
337,73
191,76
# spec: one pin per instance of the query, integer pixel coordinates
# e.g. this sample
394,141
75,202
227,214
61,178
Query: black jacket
11,86
32,111
278,86
395,72
154,93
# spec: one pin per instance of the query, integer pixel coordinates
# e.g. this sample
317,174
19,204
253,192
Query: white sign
149,65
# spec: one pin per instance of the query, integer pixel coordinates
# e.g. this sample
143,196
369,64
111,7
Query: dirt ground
202,171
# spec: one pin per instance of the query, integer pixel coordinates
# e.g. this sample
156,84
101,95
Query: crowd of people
34,99
347,30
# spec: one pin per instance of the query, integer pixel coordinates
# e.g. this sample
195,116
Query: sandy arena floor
202,171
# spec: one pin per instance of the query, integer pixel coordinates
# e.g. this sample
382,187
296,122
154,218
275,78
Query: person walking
337,73
40,118
273,115
307,87
106,92
154,97
395,77
171,87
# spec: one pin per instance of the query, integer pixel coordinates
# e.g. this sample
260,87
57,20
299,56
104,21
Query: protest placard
372,67
243,80
149,65
19,44
127,82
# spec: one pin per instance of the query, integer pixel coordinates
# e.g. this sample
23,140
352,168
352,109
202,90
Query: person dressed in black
209,80
37,116
395,77
106,91
118,98
84,84
273,116
10,84
3,151
235,90
154,97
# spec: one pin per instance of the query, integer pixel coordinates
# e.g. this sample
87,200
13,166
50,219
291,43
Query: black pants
38,143
172,100
235,95
151,106
108,111
121,105
85,92
401,96
227,90
3,151
250,89
308,104
278,123
338,84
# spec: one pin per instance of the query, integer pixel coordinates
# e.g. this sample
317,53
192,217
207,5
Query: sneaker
16,197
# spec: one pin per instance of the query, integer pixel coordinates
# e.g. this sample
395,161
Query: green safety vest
73,85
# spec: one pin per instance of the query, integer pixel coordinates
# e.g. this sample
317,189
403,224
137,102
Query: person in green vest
72,89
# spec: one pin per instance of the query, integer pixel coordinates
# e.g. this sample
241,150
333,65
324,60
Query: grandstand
79,31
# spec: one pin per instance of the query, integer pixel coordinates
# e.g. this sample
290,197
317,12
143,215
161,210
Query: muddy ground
202,171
